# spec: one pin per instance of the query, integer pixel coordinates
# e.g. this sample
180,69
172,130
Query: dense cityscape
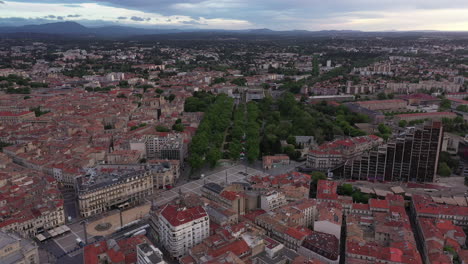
234,147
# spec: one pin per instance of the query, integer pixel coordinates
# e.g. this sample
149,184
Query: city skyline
241,14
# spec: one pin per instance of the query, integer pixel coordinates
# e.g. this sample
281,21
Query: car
168,187
80,242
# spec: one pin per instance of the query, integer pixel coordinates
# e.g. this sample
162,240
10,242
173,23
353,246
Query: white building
180,228
272,200
149,254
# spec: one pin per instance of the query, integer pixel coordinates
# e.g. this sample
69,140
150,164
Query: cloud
108,13
50,16
135,18
242,14
60,17
1,2
74,16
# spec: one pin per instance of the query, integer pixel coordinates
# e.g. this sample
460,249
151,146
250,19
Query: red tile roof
178,215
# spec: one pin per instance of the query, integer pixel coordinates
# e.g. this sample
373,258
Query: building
420,99
16,116
124,251
436,236
436,116
164,172
165,147
230,197
30,201
411,156
99,192
322,246
17,250
272,200
332,154
274,252
149,254
270,162
376,116
336,98
180,227
162,146
383,105
407,88
359,88
458,102
461,96
381,233
425,206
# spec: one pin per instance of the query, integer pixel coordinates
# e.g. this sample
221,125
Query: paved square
67,242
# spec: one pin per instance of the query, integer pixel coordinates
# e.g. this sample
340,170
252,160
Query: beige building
100,192
164,172
49,218
17,250
230,197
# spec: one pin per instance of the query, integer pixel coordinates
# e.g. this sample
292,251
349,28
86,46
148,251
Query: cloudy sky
367,15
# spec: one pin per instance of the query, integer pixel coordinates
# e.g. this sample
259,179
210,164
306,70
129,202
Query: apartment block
180,227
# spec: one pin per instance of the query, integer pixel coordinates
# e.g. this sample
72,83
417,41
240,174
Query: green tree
444,170
239,81
445,104
178,127
124,84
318,175
447,158
345,189
315,67
213,156
195,161
462,108
381,96
159,91
402,123
235,148
161,128
171,97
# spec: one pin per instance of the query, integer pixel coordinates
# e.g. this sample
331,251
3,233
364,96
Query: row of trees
456,125
207,142
199,102
252,131
237,132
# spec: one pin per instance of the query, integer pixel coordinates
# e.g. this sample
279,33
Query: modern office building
410,156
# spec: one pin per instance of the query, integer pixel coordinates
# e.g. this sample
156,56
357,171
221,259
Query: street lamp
84,231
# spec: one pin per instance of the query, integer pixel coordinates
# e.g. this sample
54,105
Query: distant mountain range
73,29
